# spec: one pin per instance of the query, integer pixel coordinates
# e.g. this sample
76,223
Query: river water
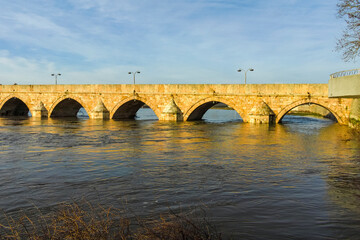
295,180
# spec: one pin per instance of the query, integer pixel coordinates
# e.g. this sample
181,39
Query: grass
84,221
354,123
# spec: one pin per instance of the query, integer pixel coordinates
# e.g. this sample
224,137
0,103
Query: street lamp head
130,72
245,71
56,75
138,72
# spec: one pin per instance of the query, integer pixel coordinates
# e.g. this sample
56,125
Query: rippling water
298,180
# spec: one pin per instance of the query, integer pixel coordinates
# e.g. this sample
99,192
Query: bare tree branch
349,44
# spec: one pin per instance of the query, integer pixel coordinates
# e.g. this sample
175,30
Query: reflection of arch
14,106
318,102
66,107
127,108
197,111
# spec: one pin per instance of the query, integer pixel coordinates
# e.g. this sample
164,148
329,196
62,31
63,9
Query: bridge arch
128,107
67,106
197,110
339,116
12,105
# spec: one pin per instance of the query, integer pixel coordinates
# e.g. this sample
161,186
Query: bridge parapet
345,73
181,89
345,84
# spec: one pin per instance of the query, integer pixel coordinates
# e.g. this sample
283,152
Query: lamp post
250,69
56,74
134,73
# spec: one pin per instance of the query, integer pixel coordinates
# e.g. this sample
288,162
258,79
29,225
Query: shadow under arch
288,108
128,108
198,110
14,106
66,107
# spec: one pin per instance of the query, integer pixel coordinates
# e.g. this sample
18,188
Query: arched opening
69,108
214,111
15,107
134,109
307,112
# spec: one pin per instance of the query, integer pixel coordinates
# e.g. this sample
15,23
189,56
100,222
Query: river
295,180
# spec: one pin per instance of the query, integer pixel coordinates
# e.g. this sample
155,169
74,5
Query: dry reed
84,221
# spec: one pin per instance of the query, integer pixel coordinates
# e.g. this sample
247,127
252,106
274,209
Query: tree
349,44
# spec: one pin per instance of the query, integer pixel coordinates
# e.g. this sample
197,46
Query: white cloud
171,41
14,69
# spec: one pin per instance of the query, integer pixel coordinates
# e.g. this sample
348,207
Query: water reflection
217,113
294,180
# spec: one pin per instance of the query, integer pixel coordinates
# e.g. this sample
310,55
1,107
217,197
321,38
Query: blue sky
182,41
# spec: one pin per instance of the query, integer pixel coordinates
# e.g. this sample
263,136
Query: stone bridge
256,103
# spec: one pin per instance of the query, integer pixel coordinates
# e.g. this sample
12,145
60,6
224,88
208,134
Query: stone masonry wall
177,101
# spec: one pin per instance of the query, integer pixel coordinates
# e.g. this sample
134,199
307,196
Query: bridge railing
345,73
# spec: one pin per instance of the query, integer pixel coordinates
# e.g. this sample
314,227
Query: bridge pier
39,111
261,113
171,112
100,112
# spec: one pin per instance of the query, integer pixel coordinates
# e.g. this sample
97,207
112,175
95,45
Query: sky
169,42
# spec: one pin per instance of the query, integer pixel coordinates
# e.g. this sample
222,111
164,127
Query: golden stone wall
257,103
